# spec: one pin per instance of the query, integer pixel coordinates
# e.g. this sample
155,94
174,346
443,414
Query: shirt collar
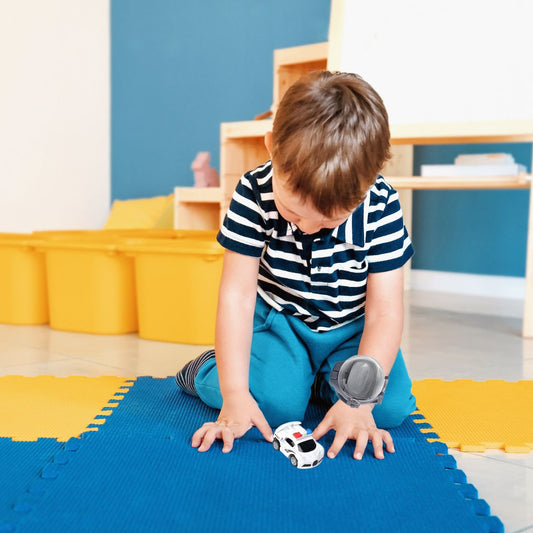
353,229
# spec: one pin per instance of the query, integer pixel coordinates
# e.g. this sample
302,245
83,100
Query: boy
315,242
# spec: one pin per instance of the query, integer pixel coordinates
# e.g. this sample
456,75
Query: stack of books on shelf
476,165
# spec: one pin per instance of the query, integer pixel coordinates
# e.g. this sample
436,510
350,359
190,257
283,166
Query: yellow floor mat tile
56,407
477,415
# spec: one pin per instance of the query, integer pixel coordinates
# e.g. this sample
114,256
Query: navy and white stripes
320,278
186,376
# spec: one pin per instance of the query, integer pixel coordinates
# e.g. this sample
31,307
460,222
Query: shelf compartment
197,207
495,131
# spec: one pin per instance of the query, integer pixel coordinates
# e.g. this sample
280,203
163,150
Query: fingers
204,437
377,443
209,437
360,445
321,429
387,439
228,438
263,426
199,435
378,438
337,444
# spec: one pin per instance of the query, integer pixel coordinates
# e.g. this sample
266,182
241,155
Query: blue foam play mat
139,473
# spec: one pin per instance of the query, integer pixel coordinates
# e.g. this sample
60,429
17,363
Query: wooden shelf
493,131
522,181
198,194
242,130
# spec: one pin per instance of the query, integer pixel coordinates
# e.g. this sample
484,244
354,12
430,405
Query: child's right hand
238,414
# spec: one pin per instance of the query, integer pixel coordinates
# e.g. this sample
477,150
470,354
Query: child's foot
186,376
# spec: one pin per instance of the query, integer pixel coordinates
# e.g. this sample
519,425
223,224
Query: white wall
54,114
440,60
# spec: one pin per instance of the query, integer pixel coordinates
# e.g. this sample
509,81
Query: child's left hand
353,423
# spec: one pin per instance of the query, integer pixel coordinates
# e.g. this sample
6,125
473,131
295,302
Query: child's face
303,214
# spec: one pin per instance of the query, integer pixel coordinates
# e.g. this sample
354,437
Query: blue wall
180,68
481,232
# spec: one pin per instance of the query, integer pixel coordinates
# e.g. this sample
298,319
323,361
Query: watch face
361,378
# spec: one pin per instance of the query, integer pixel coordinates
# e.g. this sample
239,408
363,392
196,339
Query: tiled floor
446,337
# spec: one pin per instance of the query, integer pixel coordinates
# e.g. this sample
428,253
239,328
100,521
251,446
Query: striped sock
186,376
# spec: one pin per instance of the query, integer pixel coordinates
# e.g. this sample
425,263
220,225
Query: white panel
54,114
473,284
443,60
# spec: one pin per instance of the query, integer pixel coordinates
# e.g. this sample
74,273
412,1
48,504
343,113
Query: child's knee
279,409
207,385
392,415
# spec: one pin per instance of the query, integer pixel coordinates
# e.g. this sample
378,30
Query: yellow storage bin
125,233
91,286
177,287
23,295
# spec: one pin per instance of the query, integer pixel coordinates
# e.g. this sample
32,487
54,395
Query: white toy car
298,445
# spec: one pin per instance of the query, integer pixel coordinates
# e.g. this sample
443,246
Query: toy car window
290,442
307,445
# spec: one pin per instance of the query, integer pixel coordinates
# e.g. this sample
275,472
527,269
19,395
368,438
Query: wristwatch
358,380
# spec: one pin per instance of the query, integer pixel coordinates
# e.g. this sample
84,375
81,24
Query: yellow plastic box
23,295
91,283
91,286
124,233
177,287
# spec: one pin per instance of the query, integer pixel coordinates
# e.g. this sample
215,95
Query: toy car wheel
276,444
294,461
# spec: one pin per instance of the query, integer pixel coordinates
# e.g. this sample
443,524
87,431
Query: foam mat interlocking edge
485,414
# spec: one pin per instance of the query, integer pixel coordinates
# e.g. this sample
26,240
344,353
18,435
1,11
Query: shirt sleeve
390,247
243,230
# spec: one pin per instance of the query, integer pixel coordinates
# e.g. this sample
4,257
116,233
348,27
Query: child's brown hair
330,138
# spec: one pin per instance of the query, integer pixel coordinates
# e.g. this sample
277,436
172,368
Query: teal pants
285,358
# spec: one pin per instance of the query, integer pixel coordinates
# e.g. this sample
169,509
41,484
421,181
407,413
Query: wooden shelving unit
522,181
242,148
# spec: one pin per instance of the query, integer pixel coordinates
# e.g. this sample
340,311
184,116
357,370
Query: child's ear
268,142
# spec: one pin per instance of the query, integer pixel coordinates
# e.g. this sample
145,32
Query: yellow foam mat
55,407
476,415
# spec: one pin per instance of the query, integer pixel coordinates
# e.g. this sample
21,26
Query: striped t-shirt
319,278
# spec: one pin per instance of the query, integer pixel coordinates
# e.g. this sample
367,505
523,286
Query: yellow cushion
166,220
137,214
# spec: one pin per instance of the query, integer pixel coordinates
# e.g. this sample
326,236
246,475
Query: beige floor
446,337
